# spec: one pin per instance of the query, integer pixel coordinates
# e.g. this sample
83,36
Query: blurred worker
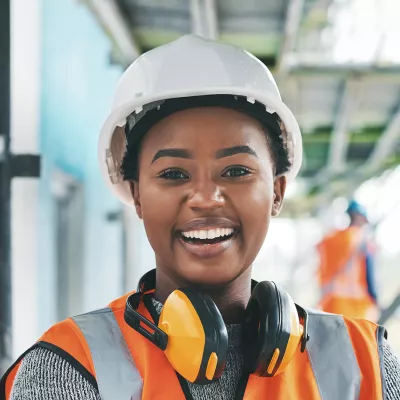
346,272
206,151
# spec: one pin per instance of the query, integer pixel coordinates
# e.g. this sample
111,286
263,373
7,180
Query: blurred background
67,246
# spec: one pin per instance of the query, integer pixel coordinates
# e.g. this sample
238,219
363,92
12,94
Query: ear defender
193,335
190,331
197,336
272,331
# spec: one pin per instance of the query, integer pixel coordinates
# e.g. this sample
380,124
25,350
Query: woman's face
206,192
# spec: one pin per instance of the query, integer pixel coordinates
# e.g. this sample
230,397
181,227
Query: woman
201,144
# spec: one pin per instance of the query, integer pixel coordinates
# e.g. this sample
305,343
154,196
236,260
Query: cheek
260,206
159,211
255,213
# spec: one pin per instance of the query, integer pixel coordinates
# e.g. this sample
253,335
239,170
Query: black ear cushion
266,327
215,332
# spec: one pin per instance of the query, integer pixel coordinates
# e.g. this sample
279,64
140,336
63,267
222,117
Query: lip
207,250
208,223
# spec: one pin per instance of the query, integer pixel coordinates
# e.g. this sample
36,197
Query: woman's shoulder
69,336
44,375
364,330
64,341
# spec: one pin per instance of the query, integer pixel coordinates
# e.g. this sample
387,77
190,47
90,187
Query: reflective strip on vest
329,349
332,357
116,374
346,283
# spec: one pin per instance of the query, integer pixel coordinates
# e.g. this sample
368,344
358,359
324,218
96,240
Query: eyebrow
176,153
182,153
231,151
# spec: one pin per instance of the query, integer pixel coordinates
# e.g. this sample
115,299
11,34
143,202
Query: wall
61,89
77,88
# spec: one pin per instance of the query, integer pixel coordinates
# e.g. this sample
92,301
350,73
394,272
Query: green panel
319,150
323,137
151,38
259,45
316,154
367,135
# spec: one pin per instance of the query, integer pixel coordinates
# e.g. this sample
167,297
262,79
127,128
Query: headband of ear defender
193,335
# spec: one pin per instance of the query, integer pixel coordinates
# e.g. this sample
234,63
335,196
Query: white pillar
25,120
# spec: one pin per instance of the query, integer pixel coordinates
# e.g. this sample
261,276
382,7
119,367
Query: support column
5,267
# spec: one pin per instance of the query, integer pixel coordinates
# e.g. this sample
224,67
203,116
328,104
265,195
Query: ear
134,186
279,194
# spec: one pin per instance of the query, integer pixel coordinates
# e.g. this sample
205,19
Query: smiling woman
217,182
202,146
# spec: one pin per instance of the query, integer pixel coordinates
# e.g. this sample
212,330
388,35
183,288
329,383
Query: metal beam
292,24
389,311
386,144
114,23
339,143
317,68
340,135
204,18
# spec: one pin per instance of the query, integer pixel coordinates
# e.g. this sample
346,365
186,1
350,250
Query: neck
231,298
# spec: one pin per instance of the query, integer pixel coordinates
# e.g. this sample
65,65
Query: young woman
200,143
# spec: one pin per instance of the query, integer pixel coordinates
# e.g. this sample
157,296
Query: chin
207,274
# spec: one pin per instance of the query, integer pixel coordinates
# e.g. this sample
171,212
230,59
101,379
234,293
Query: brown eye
236,171
173,174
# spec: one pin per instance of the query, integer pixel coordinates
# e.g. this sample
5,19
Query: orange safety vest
343,360
342,275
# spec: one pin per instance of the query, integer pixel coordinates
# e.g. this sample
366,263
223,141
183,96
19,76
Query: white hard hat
189,66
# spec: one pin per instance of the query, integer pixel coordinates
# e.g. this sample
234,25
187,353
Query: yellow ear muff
197,336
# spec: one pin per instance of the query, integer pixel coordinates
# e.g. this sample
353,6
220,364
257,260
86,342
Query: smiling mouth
208,236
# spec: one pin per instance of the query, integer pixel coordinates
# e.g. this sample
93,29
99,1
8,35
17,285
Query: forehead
205,128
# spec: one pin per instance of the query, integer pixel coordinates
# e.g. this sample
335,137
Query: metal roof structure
333,61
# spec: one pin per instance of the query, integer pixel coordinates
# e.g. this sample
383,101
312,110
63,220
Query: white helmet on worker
189,67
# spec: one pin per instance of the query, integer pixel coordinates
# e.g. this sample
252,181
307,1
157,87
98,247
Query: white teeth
211,234
208,233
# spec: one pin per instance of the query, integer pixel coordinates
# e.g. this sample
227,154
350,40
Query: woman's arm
43,375
392,372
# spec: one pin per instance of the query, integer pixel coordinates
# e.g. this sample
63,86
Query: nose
205,196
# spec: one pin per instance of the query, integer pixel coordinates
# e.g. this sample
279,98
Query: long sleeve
392,372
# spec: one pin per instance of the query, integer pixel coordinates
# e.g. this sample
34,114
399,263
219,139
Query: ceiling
345,95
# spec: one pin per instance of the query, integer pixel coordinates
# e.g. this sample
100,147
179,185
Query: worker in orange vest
346,272
201,144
